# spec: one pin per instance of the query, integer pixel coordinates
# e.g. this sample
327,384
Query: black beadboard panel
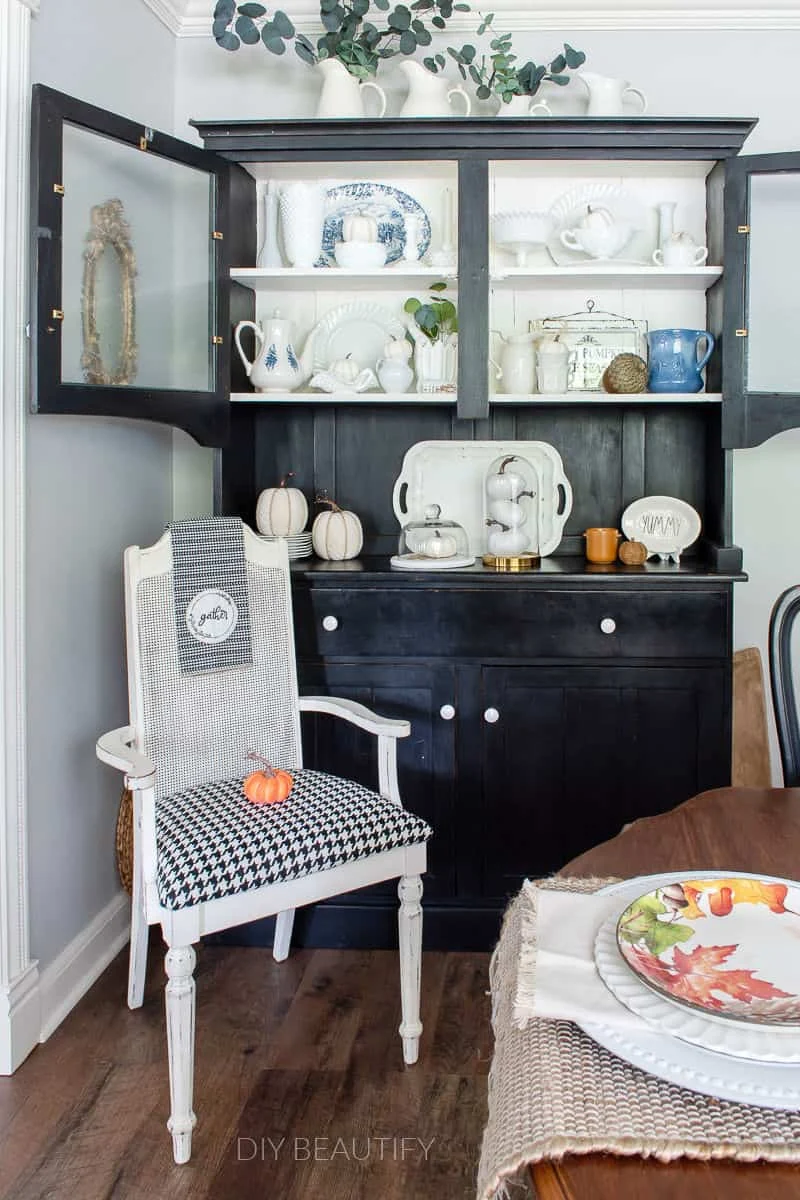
590,445
284,441
675,456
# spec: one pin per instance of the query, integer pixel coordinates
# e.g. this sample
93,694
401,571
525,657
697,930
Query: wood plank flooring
300,1086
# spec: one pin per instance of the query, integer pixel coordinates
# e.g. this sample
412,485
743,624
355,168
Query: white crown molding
19,1002
192,18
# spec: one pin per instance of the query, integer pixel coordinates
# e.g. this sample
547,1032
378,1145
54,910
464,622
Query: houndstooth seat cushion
213,842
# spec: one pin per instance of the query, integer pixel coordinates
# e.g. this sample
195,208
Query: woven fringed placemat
553,1091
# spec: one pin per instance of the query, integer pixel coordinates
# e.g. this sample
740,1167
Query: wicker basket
124,840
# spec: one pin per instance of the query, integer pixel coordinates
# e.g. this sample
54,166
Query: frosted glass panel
773,364
131,215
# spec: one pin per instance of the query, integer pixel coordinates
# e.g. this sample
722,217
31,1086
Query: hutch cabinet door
425,759
761,371
128,317
570,754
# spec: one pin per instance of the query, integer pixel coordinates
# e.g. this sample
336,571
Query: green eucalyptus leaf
228,41
440,59
360,7
475,75
219,28
276,45
326,6
462,71
224,11
558,64
439,22
408,42
304,51
483,92
430,65
575,58
283,25
422,5
423,37
561,80
330,21
467,54
252,10
247,31
462,8
400,19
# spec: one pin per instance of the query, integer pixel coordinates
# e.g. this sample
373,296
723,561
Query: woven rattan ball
625,373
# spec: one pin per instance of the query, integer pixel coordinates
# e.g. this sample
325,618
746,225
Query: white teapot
599,234
276,366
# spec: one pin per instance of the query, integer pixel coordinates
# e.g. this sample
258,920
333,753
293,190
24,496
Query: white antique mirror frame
20,1015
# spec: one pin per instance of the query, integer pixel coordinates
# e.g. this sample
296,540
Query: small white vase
394,374
436,363
302,209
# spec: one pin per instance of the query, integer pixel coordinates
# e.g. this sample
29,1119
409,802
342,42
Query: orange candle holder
602,544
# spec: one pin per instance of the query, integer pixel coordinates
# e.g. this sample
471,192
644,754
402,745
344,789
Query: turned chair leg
137,960
180,995
409,921
283,935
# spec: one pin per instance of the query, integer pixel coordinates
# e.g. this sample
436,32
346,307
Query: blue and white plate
387,205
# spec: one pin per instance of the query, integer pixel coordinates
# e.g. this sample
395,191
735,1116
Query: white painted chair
205,858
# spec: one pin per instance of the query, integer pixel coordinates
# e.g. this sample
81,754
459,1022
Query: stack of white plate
710,963
298,544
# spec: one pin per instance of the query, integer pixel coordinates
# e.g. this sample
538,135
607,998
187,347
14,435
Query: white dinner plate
360,329
725,1037
767,1085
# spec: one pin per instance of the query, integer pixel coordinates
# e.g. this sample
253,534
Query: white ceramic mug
680,254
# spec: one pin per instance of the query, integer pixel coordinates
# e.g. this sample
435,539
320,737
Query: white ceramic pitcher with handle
607,96
342,94
428,94
275,366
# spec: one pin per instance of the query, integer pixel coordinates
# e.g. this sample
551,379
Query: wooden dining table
736,829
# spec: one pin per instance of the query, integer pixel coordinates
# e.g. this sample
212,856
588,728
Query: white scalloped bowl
360,256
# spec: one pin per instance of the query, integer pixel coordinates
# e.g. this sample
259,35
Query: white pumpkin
358,227
397,348
282,510
346,369
439,545
336,535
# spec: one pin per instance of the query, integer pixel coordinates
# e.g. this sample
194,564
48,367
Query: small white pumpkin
336,535
358,227
439,545
397,348
282,510
346,369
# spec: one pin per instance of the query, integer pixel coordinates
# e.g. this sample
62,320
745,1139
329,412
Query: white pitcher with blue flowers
276,365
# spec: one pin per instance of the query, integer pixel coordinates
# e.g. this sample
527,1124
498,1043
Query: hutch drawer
491,622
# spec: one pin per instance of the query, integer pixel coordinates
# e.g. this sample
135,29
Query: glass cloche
511,503
433,543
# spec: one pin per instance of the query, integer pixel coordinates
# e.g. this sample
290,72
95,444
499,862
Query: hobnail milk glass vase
302,209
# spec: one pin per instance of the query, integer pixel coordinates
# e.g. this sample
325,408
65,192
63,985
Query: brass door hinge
57,314
217,236
216,340
146,139
58,188
741,333
742,228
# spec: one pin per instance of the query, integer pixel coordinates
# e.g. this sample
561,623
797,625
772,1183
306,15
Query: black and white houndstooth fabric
199,727
213,842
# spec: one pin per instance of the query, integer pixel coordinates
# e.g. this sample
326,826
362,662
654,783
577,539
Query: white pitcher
341,94
607,97
524,106
428,94
276,366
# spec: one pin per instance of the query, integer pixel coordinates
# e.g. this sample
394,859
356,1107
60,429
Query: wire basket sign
593,337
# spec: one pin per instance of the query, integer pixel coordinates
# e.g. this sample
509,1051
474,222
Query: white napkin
558,978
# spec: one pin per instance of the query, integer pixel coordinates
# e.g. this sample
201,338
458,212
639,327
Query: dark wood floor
304,1050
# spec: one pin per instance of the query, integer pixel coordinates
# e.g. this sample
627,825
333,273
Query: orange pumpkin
269,786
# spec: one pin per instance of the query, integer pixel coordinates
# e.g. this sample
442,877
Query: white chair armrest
115,749
356,714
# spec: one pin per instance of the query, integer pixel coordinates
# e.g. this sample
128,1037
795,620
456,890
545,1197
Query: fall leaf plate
724,947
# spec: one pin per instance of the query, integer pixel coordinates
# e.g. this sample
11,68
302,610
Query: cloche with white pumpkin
433,543
511,506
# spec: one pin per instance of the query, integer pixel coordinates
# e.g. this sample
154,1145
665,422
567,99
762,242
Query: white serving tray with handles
453,475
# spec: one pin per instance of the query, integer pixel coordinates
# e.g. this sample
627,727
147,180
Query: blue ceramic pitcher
674,363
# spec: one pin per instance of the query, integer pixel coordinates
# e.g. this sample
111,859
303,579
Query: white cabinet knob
491,716
330,623
447,712
608,625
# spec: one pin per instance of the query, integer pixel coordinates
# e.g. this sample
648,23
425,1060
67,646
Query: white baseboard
20,1019
68,977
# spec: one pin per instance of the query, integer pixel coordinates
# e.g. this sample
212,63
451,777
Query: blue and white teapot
276,366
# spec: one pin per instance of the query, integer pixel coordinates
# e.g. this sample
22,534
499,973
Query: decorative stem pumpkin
268,786
281,511
336,535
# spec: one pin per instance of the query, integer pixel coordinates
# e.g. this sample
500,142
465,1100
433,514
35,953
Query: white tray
768,1085
453,475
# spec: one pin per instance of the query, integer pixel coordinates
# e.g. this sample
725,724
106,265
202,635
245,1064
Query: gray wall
93,487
